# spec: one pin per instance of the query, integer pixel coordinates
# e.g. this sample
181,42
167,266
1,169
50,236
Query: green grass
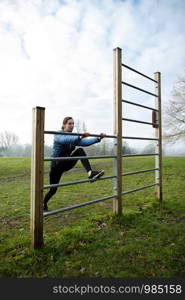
146,241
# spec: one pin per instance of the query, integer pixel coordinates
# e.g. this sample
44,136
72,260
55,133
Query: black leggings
63,166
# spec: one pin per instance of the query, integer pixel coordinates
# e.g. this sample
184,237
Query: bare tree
7,140
80,126
174,120
84,128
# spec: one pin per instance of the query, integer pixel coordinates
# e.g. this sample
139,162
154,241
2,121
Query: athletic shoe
95,175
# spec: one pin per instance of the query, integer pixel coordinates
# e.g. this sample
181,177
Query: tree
80,126
126,148
174,120
47,150
7,140
150,148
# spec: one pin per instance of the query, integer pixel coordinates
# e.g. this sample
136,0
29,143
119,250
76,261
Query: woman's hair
66,119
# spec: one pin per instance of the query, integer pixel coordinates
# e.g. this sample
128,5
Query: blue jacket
63,145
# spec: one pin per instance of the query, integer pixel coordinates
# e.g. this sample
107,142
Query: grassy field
146,241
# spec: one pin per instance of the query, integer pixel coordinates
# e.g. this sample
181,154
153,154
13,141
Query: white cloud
58,54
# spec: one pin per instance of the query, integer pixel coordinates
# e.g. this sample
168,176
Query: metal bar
158,134
140,105
77,134
148,154
74,182
77,205
139,138
138,189
137,88
137,121
138,72
109,136
78,157
138,172
82,157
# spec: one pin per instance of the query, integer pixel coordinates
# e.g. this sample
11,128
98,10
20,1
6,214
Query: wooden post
158,134
117,202
37,163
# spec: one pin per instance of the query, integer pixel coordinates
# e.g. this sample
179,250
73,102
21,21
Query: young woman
64,145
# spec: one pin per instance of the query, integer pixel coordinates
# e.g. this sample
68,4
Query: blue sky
58,54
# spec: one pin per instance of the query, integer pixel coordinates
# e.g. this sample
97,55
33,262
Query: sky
59,55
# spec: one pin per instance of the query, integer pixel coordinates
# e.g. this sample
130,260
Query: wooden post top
38,107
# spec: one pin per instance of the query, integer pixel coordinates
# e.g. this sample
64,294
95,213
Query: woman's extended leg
85,162
92,175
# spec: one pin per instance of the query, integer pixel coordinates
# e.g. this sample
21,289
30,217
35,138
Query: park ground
148,240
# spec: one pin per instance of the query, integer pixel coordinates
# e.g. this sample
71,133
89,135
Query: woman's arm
87,142
90,141
67,139
77,140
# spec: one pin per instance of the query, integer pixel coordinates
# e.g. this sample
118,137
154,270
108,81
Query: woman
64,145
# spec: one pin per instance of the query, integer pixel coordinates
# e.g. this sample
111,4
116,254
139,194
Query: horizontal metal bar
77,134
78,157
138,72
147,154
138,189
137,121
140,171
93,157
75,182
45,214
111,136
139,138
140,105
137,88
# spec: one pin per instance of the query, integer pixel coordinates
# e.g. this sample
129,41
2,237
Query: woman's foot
95,175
